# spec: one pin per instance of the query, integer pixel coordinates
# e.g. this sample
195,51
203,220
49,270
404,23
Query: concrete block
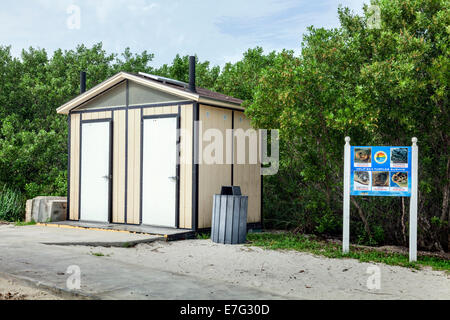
47,209
28,209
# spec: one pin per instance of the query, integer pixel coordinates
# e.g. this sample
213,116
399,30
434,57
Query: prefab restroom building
129,164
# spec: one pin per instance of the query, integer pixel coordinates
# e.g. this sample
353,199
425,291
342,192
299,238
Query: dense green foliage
380,86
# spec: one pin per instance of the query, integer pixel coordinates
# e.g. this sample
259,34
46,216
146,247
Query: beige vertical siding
118,196
74,166
134,166
212,177
97,115
248,176
161,110
186,167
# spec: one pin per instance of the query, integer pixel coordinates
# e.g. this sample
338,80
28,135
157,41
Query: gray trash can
229,217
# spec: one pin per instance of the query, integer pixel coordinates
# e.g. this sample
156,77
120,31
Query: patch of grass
204,236
97,254
290,241
23,223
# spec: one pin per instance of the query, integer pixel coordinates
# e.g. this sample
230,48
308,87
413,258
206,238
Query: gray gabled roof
201,96
201,91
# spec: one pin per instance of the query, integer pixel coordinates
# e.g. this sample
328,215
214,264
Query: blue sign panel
380,171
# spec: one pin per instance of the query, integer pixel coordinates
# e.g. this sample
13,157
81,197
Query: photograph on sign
399,157
399,181
363,157
362,180
380,181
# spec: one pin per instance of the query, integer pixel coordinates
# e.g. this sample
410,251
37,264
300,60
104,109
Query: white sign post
346,235
413,202
413,199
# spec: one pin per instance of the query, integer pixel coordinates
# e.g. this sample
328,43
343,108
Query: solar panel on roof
164,79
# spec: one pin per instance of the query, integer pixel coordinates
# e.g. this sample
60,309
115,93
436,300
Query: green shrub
379,86
11,205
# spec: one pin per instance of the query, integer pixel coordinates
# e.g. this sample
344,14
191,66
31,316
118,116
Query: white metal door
95,171
159,173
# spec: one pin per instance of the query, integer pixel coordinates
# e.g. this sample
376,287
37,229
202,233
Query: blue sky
218,31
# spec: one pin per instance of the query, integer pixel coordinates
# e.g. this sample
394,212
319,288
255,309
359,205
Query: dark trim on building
69,155
79,168
111,169
127,94
125,209
177,146
141,178
165,104
161,116
152,105
112,109
144,106
232,148
195,165
96,120
178,187
113,119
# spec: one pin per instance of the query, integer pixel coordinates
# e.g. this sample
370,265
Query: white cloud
218,31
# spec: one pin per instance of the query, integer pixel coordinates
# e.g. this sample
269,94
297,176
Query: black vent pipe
192,82
82,81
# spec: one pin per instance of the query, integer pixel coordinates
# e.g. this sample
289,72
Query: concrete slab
169,233
72,236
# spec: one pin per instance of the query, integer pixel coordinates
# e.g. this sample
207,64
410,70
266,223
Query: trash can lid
231,191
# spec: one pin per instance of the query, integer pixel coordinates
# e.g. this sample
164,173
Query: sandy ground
291,274
12,290
195,269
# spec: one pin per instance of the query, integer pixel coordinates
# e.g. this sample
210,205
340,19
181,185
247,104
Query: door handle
107,177
173,178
